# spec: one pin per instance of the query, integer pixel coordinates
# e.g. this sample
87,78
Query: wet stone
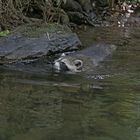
17,47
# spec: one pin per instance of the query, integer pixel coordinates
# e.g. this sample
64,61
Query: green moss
4,33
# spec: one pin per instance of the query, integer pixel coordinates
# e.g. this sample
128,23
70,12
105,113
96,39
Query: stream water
103,105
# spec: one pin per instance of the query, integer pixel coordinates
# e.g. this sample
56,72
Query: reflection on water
104,105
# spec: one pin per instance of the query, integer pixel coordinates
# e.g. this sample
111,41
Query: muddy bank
69,12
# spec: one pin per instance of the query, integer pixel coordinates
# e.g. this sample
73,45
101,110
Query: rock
80,11
86,5
72,5
19,46
79,18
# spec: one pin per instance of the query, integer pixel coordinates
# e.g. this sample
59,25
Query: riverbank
69,12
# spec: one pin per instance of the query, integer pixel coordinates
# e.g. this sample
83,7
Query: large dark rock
19,47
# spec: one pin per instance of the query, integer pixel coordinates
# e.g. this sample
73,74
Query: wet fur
90,57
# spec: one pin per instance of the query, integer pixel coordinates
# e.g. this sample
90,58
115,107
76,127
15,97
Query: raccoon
84,60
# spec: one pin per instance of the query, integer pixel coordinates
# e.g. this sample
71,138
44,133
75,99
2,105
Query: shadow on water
104,105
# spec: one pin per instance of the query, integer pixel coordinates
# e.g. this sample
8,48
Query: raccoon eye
78,63
64,67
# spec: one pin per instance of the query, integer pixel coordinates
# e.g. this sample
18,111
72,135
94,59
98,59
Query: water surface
103,105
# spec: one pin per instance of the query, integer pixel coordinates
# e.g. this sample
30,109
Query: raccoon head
67,64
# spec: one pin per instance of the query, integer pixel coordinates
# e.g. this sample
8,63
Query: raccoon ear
63,54
78,63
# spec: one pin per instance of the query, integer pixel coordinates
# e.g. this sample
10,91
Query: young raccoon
86,59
